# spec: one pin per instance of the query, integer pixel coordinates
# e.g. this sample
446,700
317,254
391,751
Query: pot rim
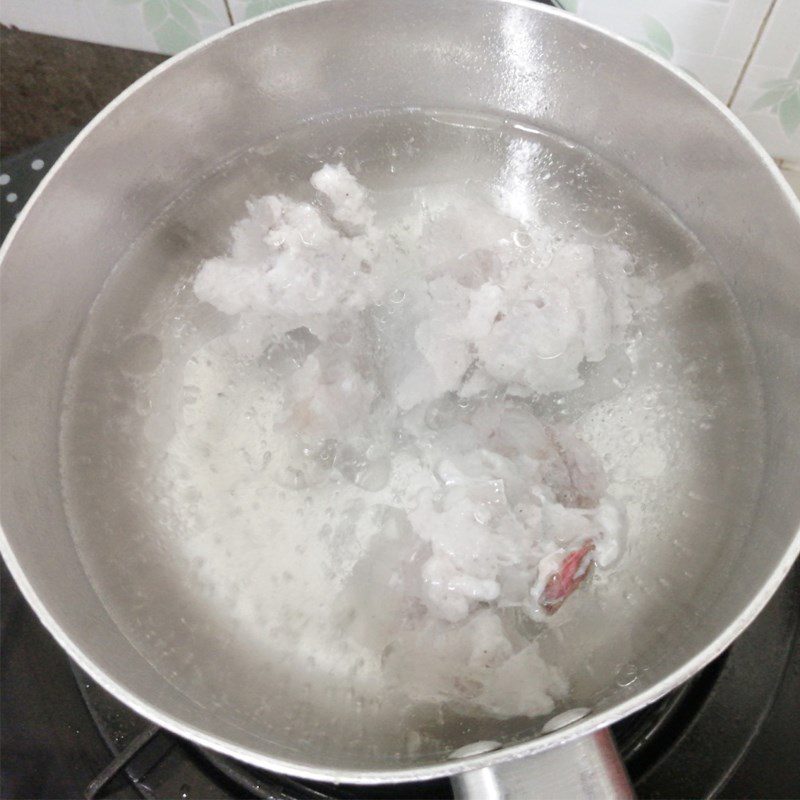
444,768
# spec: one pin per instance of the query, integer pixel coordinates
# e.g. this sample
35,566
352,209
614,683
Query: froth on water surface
247,532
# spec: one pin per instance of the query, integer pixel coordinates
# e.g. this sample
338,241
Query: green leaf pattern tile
252,8
176,24
657,37
782,98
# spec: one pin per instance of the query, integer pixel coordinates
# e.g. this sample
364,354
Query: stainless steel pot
253,81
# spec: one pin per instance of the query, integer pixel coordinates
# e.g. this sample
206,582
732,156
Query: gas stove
729,732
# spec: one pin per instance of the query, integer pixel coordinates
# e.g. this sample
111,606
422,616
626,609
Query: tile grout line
751,54
227,5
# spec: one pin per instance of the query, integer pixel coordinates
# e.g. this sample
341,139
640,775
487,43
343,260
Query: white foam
364,435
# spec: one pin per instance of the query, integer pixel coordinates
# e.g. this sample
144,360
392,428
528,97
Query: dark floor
49,85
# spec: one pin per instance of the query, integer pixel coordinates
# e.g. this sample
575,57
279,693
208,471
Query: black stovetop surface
731,732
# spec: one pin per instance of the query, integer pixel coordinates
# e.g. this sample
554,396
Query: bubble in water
326,453
374,475
627,675
547,351
140,355
441,413
483,514
522,239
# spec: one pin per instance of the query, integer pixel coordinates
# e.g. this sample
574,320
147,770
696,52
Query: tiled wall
711,39
244,9
768,99
163,26
745,51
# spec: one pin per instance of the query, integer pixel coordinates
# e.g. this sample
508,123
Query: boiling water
226,567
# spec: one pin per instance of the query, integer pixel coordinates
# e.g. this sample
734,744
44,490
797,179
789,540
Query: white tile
247,9
768,131
768,100
695,24
709,38
780,42
164,26
716,73
741,27
793,176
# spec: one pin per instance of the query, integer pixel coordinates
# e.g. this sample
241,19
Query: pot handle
588,767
